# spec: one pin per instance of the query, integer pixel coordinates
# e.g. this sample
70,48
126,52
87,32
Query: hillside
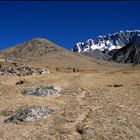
43,53
80,98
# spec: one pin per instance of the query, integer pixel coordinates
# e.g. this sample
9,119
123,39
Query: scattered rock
20,70
31,114
44,71
115,85
75,70
80,131
57,69
20,82
118,85
42,91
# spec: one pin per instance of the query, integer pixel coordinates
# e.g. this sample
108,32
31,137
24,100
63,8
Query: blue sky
65,22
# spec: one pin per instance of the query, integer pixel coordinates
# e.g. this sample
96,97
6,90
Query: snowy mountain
109,42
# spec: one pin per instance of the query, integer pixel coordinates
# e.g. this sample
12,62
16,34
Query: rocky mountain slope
128,54
109,42
104,47
42,53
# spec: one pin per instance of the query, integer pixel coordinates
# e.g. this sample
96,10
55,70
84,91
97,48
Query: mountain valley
68,95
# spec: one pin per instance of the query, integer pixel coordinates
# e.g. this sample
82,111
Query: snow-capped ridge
111,41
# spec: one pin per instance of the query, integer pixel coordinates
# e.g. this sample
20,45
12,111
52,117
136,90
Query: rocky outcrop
128,54
121,47
31,114
15,69
42,91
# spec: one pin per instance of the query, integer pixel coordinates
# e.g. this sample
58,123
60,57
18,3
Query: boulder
42,91
31,114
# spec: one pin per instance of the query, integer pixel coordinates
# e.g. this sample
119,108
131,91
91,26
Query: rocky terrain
121,47
42,91
81,98
91,105
31,114
127,54
109,42
12,69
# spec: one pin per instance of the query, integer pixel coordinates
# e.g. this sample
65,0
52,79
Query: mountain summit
35,47
109,42
121,47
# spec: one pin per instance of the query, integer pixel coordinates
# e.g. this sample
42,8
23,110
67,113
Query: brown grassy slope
43,53
90,107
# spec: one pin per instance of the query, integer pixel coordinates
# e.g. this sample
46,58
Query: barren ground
92,106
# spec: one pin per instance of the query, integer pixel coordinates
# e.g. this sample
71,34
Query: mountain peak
35,47
109,42
39,39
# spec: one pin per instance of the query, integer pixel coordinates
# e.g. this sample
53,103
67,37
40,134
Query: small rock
20,82
80,131
31,114
44,72
115,85
118,85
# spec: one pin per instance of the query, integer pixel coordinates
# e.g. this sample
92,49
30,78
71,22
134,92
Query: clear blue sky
65,23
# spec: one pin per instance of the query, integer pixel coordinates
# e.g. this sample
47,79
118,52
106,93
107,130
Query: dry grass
100,101
88,108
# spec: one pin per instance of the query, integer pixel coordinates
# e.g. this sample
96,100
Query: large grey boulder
31,114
